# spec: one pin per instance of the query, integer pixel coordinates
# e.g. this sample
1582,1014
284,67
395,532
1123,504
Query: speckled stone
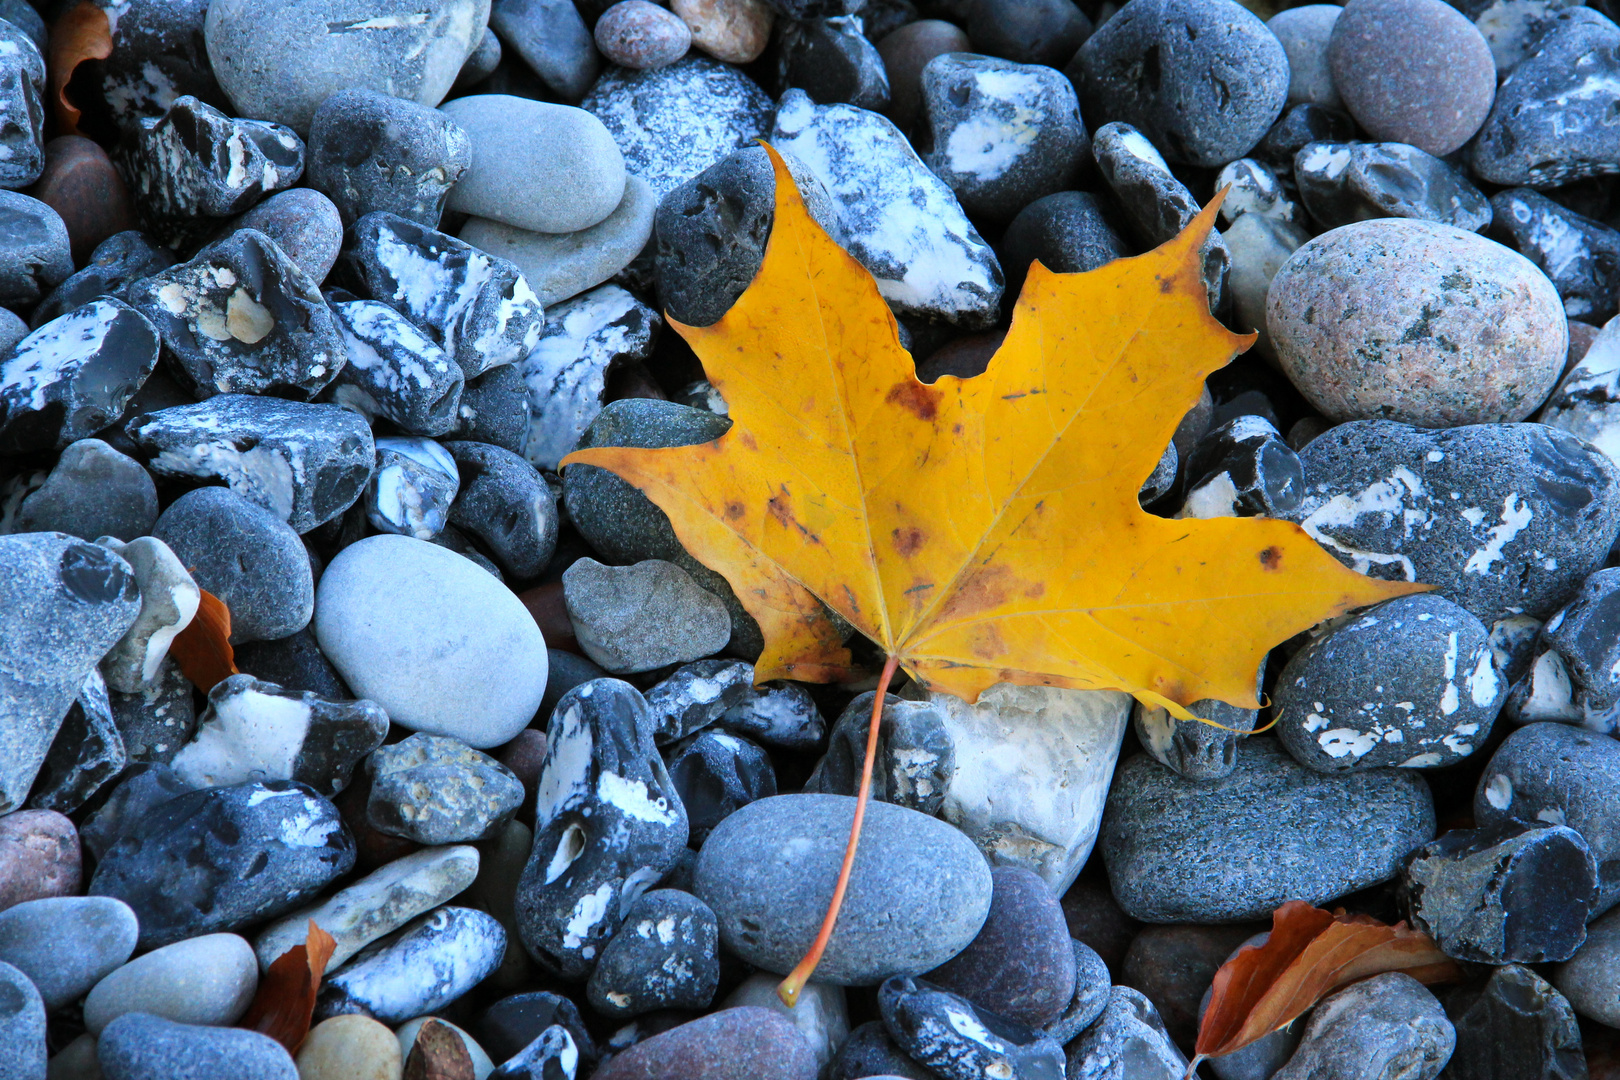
208,979
745,1043
437,790
639,34
1397,319
39,857
1412,71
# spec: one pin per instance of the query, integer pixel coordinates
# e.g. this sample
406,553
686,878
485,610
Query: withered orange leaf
203,649
285,1001
438,1054
81,33
1310,954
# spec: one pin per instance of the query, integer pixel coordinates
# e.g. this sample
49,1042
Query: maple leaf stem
790,987
1192,1068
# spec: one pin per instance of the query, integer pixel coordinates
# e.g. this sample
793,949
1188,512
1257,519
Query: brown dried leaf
203,649
1310,954
438,1054
286,999
81,33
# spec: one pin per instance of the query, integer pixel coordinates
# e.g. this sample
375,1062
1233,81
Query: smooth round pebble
208,980
1412,71
745,1043
453,653
735,31
22,1026
638,34
919,893
66,944
1418,322
1304,33
905,52
304,224
39,857
141,1047
350,1048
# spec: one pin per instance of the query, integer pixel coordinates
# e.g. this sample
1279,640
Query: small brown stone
905,53
39,857
545,603
524,756
641,35
80,183
1581,336
735,31
373,847
438,1054
1096,920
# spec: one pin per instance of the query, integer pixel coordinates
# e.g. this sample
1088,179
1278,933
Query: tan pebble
735,31
75,1061
350,1048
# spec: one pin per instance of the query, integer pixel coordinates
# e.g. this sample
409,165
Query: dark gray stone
1580,256
552,39
395,371
34,252
142,788
294,662
833,61
1410,683
157,719
369,151
303,223
644,616
1518,1026
1128,1031
1045,32
1573,675
246,556
715,774
551,1055
1069,233
914,761
437,790
418,969
1002,134
1300,126
139,1046
243,318
505,503
86,755
514,1022
1091,992
412,489
92,491
1538,511
1243,468
1190,748
666,955
21,14
779,714
1508,894
1387,1027
306,464
1344,182
22,102
1288,834
158,54
608,824
1563,775
115,264
1220,78
870,1052
919,893
222,859
956,1040
494,409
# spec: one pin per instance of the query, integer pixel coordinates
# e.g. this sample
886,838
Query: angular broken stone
413,487
394,370
87,754
158,718
22,103
698,695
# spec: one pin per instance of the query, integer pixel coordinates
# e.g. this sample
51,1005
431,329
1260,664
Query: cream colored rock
735,31
1032,766
482,1065
351,1047
1259,246
208,980
169,600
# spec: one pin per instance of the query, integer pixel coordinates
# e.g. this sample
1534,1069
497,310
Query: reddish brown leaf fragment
203,649
286,998
438,1054
81,33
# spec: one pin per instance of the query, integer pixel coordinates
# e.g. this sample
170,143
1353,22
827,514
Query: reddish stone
39,857
1095,919
524,755
747,1043
80,183
905,53
545,603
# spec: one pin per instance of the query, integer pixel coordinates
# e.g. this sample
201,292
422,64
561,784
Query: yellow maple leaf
987,529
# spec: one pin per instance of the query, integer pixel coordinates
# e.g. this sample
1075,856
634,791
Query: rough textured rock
1383,1027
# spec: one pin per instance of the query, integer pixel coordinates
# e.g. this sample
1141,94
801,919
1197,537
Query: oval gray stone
919,892
208,980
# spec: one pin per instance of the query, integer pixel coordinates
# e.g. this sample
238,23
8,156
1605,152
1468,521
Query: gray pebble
1341,183
551,38
641,617
437,790
369,151
1303,33
22,1027
137,1046
67,944
505,503
1387,1027
92,491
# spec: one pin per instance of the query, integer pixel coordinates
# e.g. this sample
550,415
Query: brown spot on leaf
1036,590
987,643
916,398
735,510
909,541
1271,558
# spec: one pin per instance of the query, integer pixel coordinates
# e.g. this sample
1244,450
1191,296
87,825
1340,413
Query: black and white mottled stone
954,1039
673,122
437,790
1288,833
608,824
1516,1025
495,409
716,773
665,955
304,463
414,484
553,1055
919,892
87,754
22,1025
67,602
369,151
478,308
140,1046
900,221
418,969
832,60
1381,1027
1535,511
710,232
1002,134
697,695
1513,893
142,788
778,714
1128,1030
34,253
1253,188
224,858
513,1022
1218,81
642,617
92,491
1344,182
395,371
1192,749
1301,124
1579,255
914,762
1587,402
22,103
116,262
1410,683
197,162
1156,203
1550,122
157,719
1243,468
505,503
1558,774
74,376
243,318
158,56
1573,677
254,730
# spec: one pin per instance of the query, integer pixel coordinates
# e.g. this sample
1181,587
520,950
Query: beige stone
735,31
350,1047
